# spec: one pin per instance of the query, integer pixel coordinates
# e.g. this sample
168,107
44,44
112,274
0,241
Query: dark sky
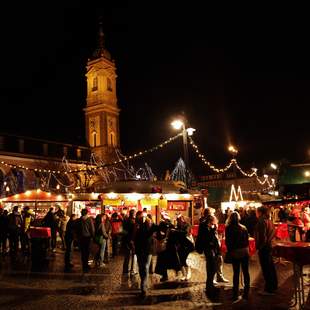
240,75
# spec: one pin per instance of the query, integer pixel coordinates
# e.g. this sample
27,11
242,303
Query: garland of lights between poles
232,162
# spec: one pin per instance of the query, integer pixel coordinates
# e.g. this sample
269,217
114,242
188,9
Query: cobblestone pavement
106,288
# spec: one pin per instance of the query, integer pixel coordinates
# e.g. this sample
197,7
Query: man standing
15,223
144,229
128,243
85,231
208,243
264,233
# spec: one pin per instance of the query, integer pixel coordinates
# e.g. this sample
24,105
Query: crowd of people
135,236
237,242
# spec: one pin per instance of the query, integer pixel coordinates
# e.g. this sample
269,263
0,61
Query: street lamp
232,150
179,124
273,166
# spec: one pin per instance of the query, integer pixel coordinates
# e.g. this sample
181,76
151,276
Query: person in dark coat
69,237
237,242
85,232
4,230
50,221
207,242
143,242
14,228
264,234
128,243
167,257
185,246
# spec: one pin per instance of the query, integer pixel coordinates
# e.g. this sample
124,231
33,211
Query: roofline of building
45,141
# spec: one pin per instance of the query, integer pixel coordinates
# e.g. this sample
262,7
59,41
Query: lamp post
178,124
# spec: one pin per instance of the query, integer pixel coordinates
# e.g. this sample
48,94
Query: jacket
207,240
236,237
86,227
264,233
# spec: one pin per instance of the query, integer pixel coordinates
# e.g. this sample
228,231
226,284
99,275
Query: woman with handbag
237,242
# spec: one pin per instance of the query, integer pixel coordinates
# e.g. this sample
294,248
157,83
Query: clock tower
102,112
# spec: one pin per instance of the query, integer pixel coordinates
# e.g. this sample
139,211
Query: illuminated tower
102,112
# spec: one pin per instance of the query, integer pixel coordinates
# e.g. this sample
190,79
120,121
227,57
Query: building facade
102,112
29,163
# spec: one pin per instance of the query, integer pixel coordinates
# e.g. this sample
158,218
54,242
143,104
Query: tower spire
101,36
100,50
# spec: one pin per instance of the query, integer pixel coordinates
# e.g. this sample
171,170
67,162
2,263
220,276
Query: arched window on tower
112,139
95,83
94,140
109,84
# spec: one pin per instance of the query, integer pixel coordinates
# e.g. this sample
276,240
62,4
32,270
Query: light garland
92,167
206,162
232,162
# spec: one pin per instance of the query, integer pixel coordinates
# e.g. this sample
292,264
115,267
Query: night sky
240,75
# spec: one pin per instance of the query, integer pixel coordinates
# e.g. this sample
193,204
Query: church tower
102,112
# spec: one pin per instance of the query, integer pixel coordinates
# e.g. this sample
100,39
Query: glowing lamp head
273,166
190,131
177,124
307,174
232,149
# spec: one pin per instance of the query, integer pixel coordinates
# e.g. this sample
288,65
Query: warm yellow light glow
48,194
156,196
186,196
58,186
111,195
177,124
38,190
232,149
307,173
7,189
94,195
273,166
16,196
28,193
59,197
265,176
134,196
190,131
172,196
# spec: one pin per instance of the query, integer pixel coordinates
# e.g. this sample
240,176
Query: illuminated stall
37,200
156,197
80,201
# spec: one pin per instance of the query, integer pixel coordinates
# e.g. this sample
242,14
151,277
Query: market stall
80,201
156,197
37,200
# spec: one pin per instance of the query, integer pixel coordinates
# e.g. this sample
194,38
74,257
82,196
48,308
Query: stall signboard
176,206
93,207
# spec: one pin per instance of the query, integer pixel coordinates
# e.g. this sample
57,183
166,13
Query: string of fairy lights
93,167
233,162
98,167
